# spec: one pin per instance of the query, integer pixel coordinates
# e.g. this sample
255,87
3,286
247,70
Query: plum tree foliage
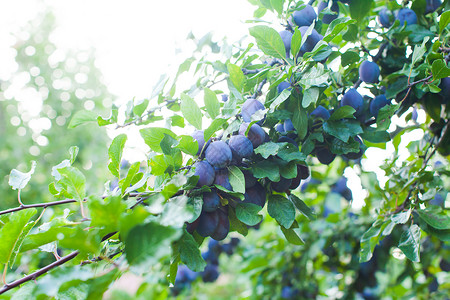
305,104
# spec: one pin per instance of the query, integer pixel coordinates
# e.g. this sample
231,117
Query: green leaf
282,210
296,42
339,147
336,27
419,51
127,181
176,212
437,219
191,111
73,183
13,233
349,57
106,213
310,95
211,103
18,180
402,217
369,240
73,151
146,244
300,120
302,207
237,179
154,135
269,41
190,253
266,168
82,117
187,144
315,76
384,116
237,77
235,224
277,5
359,9
443,22
291,236
110,120
440,69
410,243
214,127
115,153
247,213
280,99
343,112
268,149
342,129
139,109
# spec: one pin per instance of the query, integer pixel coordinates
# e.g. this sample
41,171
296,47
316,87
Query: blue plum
302,173
223,227
328,18
241,145
211,257
256,195
341,188
432,5
185,275
288,140
280,128
438,200
286,37
198,135
310,42
321,112
282,185
369,72
191,227
288,126
377,103
353,99
324,155
282,86
211,201
222,179
407,15
224,97
218,154
207,223
210,274
445,87
205,172
305,16
256,134
385,17
249,107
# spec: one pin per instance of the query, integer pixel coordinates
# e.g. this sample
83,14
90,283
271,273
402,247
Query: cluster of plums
405,15
215,156
185,276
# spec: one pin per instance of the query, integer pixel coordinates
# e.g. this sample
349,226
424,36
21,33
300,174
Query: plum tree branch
43,205
39,272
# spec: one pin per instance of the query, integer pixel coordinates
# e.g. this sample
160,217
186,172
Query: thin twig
44,205
39,272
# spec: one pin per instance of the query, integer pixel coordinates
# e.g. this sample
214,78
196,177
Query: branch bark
43,205
39,272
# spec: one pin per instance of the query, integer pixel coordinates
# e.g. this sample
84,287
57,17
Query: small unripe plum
377,103
249,107
199,137
223,227
282,86
311,41
325,156
282,185
353,99
385,17
305,16
321,112
205,172
256,195
218,154
432,5
224,97
222,179
241,145
288,126
328,18
211,201
210,274
286,36
256,134
407,15
369,72
207,223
